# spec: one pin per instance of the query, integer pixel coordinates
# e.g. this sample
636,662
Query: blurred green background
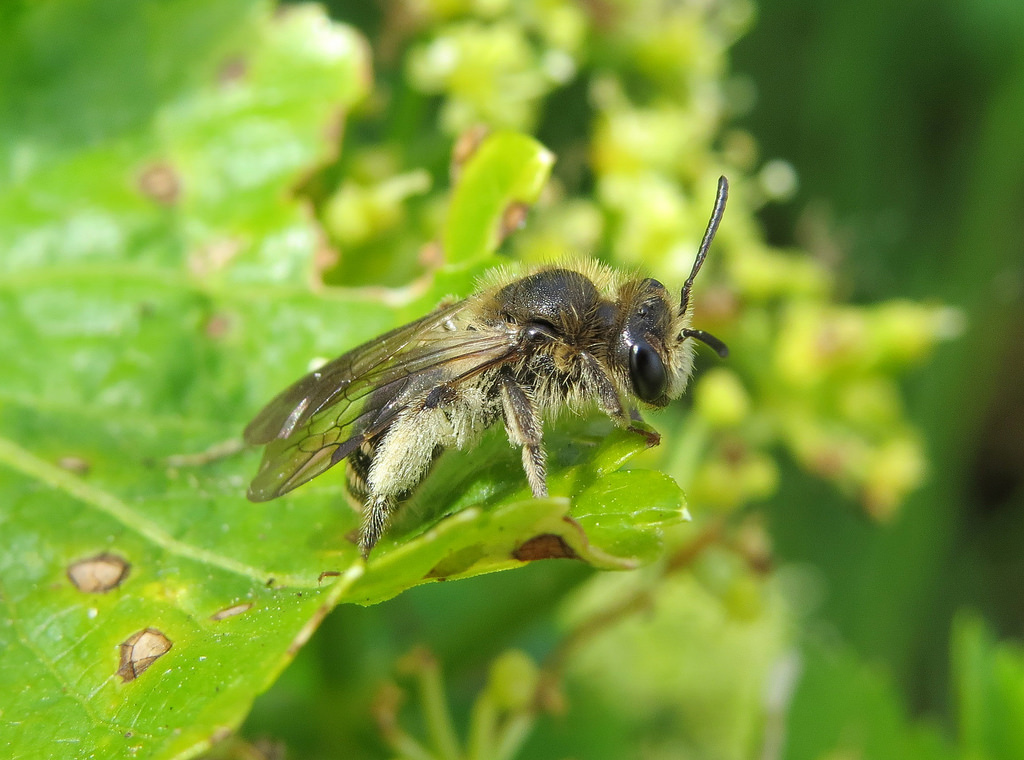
850,586
903,125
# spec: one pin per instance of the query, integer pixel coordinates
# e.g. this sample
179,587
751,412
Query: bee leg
375,508
524,429
400,459
376,511
610,403
635,420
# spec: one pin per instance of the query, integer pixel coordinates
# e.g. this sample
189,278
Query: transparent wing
325,416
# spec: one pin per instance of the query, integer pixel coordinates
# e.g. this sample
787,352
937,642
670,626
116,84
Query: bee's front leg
524,429
610,403
653,436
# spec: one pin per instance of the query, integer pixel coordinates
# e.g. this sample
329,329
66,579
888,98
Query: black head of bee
652,342
574,322
641,344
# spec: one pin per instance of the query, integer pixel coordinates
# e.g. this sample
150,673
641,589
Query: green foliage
200,200
990,689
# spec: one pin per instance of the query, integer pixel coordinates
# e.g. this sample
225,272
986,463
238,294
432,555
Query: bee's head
656,342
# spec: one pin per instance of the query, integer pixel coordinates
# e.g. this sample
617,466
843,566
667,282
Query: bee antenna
709,234
708,339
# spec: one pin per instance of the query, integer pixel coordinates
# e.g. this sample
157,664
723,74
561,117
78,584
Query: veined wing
329,413
296,404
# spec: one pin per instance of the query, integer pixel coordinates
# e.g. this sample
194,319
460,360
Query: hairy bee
523,347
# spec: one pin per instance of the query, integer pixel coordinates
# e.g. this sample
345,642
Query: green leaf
493,524
505,171
989,690
155,270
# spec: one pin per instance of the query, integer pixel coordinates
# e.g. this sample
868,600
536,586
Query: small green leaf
474,514
625,511
507,169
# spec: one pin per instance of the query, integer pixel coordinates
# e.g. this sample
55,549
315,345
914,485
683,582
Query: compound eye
647,372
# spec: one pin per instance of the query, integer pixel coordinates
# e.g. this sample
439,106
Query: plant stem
513,734
482,728
435,707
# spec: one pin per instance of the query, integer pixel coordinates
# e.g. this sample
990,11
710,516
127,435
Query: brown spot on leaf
140,650
98,574
217,326
465,146
513,218
232,70
75,464
544,546
160,182
213,257
232,611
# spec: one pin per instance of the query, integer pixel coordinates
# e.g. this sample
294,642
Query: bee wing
329,413
306,397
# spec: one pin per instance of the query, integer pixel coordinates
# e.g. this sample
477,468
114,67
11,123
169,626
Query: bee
519,350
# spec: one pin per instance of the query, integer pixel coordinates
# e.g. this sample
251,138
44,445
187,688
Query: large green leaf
156,287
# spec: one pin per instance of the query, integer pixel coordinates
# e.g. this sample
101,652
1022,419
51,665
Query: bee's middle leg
524,429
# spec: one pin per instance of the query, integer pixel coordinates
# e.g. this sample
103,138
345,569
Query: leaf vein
21,460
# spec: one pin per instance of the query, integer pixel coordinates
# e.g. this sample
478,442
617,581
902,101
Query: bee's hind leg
399,460
375,507
524,429
376,511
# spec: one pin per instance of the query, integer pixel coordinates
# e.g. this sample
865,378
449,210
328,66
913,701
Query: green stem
435,707
513,735
408,748
482,728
